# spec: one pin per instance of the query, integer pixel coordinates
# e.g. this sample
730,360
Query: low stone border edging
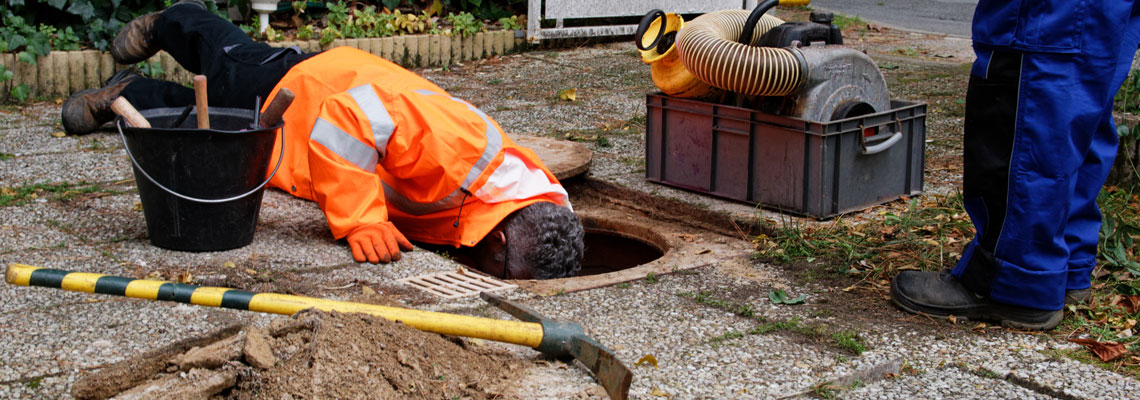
61,73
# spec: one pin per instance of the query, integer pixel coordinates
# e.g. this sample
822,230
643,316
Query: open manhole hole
611,245
610,251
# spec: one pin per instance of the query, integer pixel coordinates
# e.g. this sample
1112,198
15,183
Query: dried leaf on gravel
58,134
1106,351
185,277
647,359
568,94
659,393
367,290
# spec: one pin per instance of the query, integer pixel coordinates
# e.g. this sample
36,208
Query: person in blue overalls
1039,143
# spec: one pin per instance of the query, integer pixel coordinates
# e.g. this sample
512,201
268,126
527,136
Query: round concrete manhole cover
564,158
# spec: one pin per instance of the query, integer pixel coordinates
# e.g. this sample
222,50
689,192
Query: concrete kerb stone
489,44
501,41
423,53
456,50
467,44
62,73
107,65
477,48
435,51
376,46
386,45
413,46
399,50
93,78
77,74
46,82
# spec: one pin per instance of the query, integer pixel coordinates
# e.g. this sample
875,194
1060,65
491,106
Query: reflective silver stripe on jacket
344,145
452,200
378,117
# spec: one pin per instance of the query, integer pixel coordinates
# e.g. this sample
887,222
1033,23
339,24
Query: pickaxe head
565,340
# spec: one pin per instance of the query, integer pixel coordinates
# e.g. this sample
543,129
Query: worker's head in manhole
539,241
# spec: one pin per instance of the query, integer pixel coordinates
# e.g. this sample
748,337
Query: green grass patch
928,234
847,341
20,195
6,156
847,21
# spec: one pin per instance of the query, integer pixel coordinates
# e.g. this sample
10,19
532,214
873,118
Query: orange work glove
377,243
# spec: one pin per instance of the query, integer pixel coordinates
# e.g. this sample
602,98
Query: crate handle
886,144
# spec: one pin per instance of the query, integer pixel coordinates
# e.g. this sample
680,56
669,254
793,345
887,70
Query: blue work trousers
1039,142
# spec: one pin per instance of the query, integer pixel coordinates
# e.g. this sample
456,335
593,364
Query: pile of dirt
329,355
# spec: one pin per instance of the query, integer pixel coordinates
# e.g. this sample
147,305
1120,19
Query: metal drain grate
456,284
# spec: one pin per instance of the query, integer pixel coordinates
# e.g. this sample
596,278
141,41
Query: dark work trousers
237,69
1039,142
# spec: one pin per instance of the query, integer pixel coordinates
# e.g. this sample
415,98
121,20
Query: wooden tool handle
276,108
200,99
124,108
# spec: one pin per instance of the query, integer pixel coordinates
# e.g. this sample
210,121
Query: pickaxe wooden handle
558,338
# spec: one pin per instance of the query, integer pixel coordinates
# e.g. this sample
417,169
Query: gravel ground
704,349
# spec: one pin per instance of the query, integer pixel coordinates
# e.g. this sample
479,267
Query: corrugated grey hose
708,48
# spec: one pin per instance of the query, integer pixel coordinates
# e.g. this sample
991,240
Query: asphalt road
941,16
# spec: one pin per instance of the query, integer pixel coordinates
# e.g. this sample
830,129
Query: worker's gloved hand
377,243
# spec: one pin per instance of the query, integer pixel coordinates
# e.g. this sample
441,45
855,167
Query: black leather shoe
942,295
87,110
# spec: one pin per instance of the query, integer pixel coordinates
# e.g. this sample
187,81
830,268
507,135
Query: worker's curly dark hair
548,238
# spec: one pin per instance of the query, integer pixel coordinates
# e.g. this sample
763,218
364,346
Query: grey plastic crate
819,169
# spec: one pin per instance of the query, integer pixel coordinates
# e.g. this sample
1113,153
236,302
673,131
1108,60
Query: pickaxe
561,339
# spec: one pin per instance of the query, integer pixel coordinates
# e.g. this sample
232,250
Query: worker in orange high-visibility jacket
387,155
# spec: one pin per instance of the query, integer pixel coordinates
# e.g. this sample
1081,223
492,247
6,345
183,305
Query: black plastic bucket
200,188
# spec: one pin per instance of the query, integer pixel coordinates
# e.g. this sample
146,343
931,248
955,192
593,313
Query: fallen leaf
1129,303
367,290
659,393
979,328
568,94
953,319
154,276
705,251
229,264
250,271
1106,351
647,359
59,134
137,206
185,277
688,238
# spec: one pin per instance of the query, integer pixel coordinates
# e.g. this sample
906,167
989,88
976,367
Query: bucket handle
119,125
886,144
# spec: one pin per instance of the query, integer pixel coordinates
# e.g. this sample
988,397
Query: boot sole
1005,315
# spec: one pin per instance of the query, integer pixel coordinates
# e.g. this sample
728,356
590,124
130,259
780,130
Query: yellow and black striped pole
557,338
516,332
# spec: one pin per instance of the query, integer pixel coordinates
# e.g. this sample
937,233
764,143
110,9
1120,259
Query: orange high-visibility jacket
370,142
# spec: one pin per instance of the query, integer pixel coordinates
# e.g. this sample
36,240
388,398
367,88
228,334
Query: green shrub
464,24
511,23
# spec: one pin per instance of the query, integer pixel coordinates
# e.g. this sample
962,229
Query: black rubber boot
135,42
941,295
89,109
